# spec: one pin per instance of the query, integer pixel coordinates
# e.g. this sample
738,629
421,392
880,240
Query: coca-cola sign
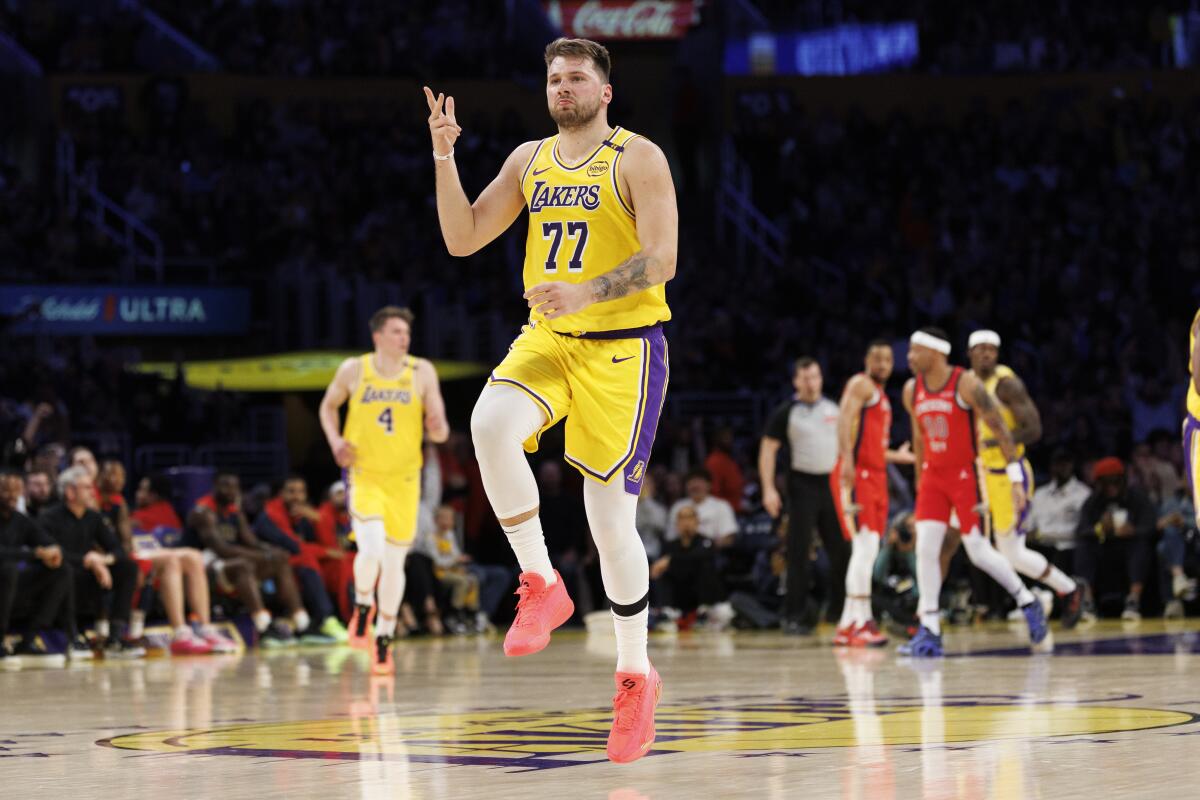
623,19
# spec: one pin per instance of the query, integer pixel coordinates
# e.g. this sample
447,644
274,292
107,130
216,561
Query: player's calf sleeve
988,559
391,587
503,419
929,571
369,535
1033,564
611,513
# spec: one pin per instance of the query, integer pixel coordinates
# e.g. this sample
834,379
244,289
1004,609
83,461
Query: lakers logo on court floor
548,739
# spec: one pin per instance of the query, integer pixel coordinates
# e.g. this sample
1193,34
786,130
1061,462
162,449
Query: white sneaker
1016,615
1131,612
1182,585
1174,609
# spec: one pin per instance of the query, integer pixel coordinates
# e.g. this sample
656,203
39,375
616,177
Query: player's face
808,382
920,359
984,358
880,362
575,92
393,338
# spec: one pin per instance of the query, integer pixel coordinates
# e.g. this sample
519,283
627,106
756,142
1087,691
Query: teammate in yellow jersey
394,400
1191,421
1025,425
603,230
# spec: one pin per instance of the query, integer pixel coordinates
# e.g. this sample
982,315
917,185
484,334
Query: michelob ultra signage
124,310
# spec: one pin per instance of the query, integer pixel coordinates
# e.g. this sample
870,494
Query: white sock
929,572
391,580
182,632
988,559
262,620
529,544
1033,564
385,627
102,628
864,549
137,623
631,642
301,620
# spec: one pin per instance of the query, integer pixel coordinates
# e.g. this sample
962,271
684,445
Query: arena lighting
308,371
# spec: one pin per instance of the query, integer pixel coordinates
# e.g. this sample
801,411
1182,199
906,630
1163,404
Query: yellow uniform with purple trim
997,489
604,368
1191,421
386,423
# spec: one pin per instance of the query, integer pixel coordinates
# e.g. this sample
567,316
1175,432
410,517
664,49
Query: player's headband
932,342
984,337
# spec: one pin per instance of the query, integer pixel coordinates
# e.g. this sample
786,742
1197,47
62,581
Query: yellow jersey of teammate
386,420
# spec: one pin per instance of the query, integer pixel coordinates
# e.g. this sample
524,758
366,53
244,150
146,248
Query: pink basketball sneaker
633,711
540,610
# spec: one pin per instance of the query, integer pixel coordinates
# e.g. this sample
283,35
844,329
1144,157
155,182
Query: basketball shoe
926,644
844,636
359,632
382,662
633,715
1035,617
868,635
540,610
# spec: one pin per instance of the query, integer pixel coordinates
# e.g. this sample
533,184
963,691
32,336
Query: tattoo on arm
991,415
631,276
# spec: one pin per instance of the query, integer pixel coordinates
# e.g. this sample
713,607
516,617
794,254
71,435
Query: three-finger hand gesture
442,125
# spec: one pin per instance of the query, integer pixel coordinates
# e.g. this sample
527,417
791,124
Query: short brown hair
380,317
581,48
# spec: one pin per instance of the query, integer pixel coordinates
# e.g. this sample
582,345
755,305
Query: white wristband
446,157
1016,472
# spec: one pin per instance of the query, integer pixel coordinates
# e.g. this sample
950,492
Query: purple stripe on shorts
1191,427
656,394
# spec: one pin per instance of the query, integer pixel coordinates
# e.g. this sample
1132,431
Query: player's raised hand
443,127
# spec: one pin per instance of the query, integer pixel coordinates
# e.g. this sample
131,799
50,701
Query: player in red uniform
860,489
942,402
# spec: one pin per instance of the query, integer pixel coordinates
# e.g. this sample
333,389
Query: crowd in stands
86,565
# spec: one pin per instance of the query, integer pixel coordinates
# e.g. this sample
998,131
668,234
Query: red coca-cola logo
623,19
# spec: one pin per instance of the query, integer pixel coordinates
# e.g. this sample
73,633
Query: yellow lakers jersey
993,457
386,420
581,226
1193,398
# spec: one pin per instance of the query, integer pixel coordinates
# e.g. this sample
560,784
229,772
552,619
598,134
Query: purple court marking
1153,644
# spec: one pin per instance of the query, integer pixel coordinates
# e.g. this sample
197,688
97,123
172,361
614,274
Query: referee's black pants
810,506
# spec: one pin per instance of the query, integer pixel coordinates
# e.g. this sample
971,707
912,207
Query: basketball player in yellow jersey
603,230
1191,422
394,399
1021,417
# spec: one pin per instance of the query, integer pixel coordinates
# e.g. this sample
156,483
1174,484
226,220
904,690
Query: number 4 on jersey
575,230
385,419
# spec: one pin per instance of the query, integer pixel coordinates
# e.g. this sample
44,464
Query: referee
808,424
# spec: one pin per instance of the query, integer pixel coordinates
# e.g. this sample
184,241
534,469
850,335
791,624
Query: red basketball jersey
874,432
947,425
